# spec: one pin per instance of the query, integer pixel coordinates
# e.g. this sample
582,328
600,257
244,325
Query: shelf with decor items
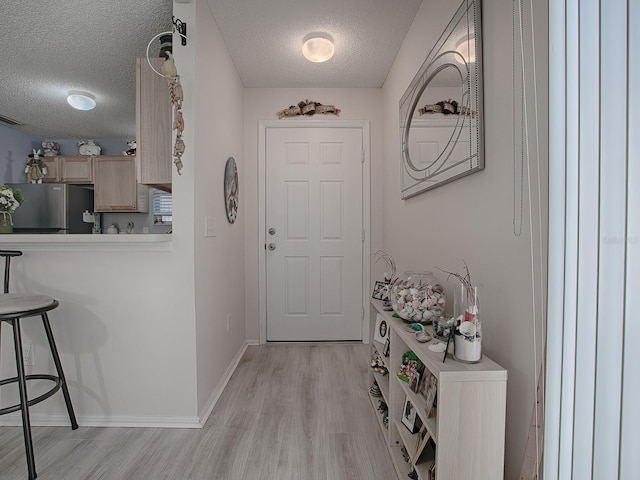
380,380
465,421
418,444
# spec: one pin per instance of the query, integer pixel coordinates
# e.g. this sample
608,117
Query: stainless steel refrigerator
52,208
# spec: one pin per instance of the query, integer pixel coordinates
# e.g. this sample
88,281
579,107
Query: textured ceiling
264,39
51,47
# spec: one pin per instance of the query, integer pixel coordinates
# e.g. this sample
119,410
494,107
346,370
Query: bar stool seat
24,304
15,307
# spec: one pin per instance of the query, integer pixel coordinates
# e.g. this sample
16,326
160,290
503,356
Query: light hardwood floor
290,412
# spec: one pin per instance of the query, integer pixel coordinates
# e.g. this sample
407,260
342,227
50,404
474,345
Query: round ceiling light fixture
466,47
81,100
318,47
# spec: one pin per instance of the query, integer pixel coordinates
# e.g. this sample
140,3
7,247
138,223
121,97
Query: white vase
468,332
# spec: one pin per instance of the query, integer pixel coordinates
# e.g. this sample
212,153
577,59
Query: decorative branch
447,107
465,279
308,107
390,263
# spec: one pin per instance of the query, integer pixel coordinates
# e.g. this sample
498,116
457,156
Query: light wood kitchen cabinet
71,169
153,126
77,169
53,171
116,188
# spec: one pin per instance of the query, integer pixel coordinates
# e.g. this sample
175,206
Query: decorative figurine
88,147
51,149
132,148
35,169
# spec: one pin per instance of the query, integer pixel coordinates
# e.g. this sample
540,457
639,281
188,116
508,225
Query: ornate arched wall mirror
441,111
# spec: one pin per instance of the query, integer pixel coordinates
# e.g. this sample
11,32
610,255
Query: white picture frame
381,332
410,417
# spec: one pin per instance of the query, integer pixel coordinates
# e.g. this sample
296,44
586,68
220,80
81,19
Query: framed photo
423,439
414,379
387,346
381,291
382,329
428,389
409,417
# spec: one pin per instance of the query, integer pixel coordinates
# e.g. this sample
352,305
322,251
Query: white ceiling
51,47
264,39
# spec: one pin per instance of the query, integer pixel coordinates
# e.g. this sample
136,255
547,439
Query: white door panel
314,204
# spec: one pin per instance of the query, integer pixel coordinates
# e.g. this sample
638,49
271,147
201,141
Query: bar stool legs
13,308
58,364
21,380
24,407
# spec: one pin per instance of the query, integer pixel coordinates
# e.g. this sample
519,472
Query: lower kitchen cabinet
116,187
450,423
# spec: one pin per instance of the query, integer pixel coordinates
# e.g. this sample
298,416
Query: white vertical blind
587,160
555,281
630,418
592,424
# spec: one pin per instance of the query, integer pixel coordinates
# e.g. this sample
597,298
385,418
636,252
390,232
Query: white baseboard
253,342
62,420
215,395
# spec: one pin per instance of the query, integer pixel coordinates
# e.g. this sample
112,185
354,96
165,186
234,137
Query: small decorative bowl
423,336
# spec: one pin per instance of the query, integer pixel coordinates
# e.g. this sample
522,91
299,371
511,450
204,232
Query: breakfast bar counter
88,242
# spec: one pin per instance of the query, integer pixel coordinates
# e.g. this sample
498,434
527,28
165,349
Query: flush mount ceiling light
81,100
466,47
318,47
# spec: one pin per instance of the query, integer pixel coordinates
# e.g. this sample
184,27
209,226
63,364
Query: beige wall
219,260
262,104
122,335
142,334
470,220
124,328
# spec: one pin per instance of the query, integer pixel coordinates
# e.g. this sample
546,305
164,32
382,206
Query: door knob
272,231
272,246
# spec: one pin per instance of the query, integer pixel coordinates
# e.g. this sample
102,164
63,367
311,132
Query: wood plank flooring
290,412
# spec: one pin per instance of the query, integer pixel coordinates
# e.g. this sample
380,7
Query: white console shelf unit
467,426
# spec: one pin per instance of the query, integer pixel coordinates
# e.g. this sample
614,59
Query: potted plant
10,199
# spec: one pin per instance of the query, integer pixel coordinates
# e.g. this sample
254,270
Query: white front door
314,224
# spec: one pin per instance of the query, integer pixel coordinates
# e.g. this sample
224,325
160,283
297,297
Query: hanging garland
176,95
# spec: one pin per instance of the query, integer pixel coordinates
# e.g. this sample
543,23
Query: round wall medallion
231,190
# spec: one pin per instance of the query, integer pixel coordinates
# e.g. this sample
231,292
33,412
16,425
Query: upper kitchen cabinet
53,169
76,169
73,169
153,121
116,189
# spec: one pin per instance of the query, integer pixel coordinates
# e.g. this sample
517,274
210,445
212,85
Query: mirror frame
442,56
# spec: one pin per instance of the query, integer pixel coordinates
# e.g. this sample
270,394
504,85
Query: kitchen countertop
88,242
